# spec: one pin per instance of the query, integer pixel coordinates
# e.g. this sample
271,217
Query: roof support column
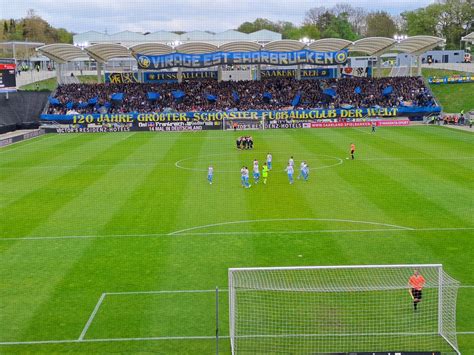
259,72
298,72
99,72
410,65
180,75
338,71
58,72
419,65
379,67
219,73
14,53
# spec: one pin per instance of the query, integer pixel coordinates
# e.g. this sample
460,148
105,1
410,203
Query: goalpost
321,309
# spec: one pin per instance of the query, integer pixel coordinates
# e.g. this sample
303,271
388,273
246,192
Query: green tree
450,19
381,24
64,36
5,28
423,21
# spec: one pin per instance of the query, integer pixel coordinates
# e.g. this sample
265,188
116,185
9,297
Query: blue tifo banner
173,60
455,79
250,115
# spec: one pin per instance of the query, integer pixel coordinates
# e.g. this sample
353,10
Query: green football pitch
99,231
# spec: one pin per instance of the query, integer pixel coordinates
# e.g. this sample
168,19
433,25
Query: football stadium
269,189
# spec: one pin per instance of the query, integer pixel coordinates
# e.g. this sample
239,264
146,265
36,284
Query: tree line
34,29
450,19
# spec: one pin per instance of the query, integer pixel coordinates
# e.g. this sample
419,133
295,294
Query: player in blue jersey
305,172
242,176
290,170
246,178
301,174
210,174
269,161
256,171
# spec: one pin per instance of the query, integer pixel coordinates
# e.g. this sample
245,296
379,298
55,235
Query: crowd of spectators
270,94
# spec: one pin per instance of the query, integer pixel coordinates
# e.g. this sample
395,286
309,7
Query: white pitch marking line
437,158
157,235
72,341
289,219
162,292
91,318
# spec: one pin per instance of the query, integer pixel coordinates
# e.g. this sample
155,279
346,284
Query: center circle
181,164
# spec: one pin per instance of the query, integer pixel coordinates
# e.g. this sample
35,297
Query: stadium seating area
210,95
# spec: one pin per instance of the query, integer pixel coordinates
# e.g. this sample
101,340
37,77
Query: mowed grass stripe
347,188
16,183
161,255
157,202
44,291
95,258
407,173
43,201
27,181
406,185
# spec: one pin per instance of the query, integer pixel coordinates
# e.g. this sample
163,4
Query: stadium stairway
399,71
21,110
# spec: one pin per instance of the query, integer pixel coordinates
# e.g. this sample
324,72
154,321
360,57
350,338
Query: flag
358,90
117,96
235,96
211,98
53,101
387,91
82,104
267,96
178,94
330,92
296,100
93,101
70,105
153,96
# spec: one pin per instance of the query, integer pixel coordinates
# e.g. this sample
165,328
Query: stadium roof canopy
468,38
20,44
104,52
284,45
372,46
152,48
329,44
417,45
62,52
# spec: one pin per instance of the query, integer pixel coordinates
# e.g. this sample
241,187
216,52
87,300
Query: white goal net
308,310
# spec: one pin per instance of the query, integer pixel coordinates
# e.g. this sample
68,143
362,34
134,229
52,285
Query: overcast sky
178,15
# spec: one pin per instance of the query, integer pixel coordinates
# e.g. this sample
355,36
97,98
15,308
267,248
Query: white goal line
170,338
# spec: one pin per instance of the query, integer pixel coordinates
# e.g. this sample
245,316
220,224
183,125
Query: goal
321,309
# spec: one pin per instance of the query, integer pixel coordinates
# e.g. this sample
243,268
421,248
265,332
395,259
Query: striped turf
407,198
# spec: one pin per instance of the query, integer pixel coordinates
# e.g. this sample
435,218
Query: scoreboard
7,77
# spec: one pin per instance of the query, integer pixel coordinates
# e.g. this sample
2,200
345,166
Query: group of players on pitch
267,166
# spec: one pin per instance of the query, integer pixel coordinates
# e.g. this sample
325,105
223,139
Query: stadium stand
21,110
210,95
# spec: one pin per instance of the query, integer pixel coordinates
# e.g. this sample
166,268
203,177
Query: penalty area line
92,316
